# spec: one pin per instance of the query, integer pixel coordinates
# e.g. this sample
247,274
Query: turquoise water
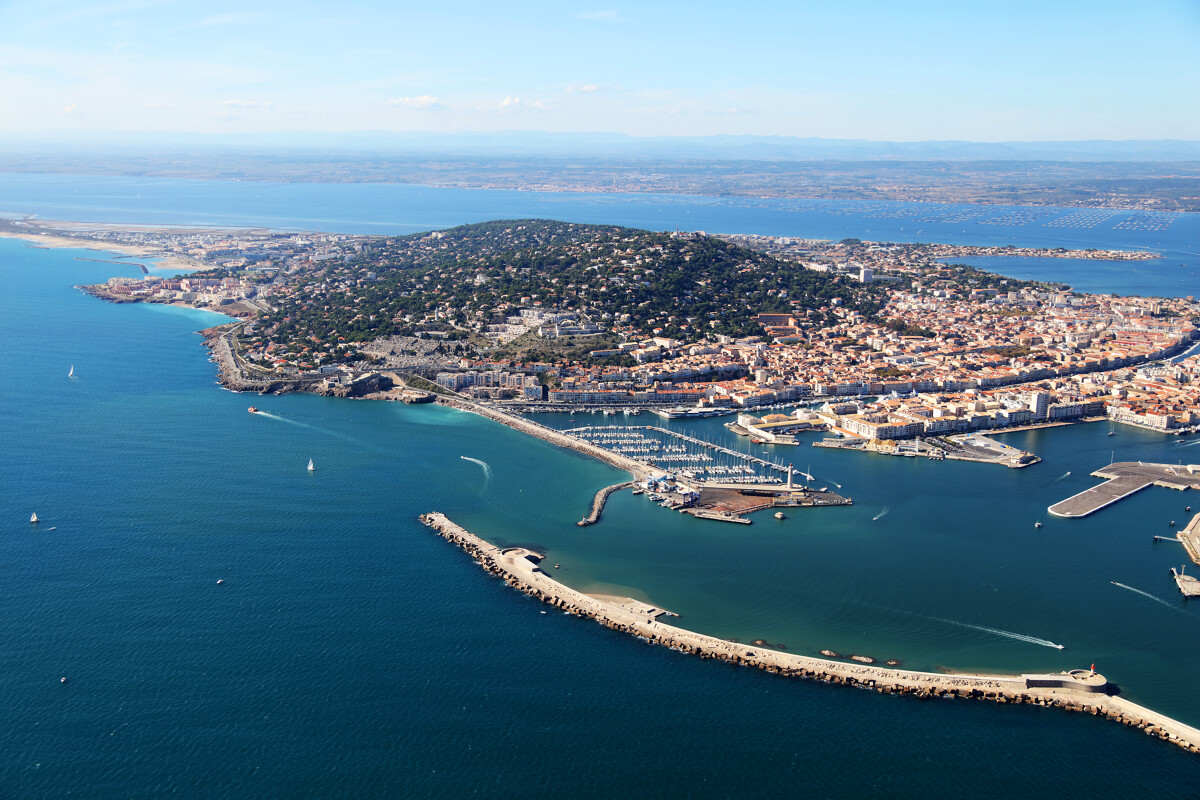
349,652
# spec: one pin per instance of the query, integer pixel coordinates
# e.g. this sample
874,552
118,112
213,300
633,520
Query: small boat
310,466
71,374
1037,524
556,566
33,520
253,409
779,515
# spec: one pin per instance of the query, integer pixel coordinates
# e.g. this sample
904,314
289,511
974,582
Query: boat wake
1020,637
1064,476
487,471
881,514
299,424
1147,594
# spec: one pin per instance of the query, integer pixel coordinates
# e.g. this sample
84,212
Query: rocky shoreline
1078,690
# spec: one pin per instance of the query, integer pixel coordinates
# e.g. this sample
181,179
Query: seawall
1076,691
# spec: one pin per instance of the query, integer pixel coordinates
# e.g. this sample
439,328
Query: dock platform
1125,478
1188,585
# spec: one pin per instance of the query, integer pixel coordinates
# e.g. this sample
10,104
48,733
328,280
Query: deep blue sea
349,652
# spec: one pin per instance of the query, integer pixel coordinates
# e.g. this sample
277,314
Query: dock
1126,478
1079,690
719,516
1188,585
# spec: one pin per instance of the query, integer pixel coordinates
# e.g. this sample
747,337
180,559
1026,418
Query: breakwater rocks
600,499
1078,690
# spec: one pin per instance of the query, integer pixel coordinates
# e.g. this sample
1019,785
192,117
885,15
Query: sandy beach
45,233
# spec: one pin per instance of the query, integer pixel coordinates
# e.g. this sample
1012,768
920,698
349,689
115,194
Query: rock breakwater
1078,690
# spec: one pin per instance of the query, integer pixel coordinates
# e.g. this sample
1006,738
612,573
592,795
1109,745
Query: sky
851,69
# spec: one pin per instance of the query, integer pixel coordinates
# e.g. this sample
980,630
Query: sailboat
33,520
1112,429
71,374
310,466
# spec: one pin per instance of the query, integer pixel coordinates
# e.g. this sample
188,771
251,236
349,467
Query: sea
198,615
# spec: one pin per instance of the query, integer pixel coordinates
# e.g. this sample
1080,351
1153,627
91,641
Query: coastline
50,240
1078,690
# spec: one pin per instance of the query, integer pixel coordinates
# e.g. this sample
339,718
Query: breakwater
1077,690
636,468
598,503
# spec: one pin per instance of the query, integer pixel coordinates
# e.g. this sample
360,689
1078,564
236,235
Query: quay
1126,478
598,502
1079,690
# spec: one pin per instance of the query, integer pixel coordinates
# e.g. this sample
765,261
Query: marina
692,457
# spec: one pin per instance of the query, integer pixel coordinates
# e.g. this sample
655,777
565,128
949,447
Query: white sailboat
33,520
71,374
310,466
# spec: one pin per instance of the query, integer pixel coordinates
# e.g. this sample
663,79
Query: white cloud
420,101
517,104
587,87
71,110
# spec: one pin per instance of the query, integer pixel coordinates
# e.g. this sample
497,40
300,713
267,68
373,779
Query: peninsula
560,315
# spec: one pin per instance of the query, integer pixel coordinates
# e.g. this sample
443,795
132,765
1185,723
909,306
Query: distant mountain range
614,145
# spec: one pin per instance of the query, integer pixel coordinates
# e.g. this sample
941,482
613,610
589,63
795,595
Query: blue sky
983,71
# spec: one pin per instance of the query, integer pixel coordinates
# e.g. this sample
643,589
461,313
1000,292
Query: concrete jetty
1124,479
599,500
1074,690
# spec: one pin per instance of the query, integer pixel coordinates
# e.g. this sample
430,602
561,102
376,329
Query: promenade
1076,690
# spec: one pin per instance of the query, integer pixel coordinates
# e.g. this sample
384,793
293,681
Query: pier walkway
1124,479
1076,690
